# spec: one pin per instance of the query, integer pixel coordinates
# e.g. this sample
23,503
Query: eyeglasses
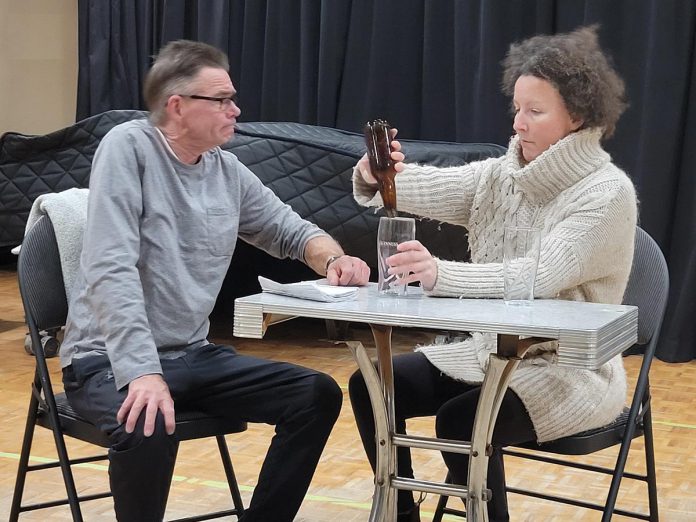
224,103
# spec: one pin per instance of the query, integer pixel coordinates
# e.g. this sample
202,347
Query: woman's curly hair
575,64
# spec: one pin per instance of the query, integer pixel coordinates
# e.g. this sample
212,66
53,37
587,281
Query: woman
557,177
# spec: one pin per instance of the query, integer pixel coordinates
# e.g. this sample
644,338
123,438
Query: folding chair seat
647,289
45,305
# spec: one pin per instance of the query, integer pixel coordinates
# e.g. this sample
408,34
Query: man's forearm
319,250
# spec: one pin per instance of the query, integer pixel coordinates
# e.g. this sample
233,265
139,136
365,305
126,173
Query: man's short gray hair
175,66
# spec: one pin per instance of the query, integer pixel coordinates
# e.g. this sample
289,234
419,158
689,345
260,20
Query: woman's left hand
413,259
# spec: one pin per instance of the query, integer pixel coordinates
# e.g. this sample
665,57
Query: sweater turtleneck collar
560,166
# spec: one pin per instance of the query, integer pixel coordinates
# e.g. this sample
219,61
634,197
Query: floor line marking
675,424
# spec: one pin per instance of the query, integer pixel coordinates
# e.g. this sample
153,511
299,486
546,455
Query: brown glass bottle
378,139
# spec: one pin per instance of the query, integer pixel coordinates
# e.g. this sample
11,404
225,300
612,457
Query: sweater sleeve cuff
365,194
124,378
458,279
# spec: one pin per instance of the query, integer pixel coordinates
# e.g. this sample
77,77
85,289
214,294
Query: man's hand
348,271
149,393
326,257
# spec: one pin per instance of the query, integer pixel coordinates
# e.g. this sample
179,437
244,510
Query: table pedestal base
380,387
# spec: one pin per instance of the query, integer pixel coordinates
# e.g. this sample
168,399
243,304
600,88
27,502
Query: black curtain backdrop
432,68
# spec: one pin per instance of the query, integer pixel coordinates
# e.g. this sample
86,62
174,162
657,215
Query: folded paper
319,290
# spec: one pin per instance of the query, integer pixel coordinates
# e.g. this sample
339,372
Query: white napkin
319,290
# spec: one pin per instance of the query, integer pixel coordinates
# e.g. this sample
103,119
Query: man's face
207,123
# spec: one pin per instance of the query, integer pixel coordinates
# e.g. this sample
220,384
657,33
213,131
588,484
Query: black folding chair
647,289
45,307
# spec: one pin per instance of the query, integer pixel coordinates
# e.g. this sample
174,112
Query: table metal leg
501,366
380,388
381,392
492,392
382,336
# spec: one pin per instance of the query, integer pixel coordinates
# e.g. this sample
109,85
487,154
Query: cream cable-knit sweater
586,208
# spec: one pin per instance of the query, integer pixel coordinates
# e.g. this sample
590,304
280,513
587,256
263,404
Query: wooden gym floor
342,485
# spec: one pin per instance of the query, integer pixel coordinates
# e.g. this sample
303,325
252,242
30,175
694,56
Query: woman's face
541,117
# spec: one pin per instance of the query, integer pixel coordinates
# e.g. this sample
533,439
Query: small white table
589,334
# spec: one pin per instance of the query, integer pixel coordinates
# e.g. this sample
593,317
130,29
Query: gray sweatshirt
159,239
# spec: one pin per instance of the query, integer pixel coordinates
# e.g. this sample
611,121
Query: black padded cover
308,167
34,165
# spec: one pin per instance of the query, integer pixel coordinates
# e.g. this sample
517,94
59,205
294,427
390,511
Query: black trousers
302,404
421,390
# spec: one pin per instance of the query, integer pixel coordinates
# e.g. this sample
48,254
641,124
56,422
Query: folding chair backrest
40,277
648,286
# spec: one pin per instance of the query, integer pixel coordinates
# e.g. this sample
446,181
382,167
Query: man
166,206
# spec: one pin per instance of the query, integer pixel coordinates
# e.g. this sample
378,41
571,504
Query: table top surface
586,331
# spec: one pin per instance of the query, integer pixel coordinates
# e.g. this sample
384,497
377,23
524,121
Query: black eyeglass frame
220,99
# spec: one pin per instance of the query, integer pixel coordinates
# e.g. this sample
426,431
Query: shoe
411,516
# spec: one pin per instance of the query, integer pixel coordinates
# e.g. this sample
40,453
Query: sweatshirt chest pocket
222,225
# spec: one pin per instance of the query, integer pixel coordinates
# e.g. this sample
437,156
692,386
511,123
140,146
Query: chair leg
440,509
232,483
63,460
616,478
65,468
650,476
24,459
650,465
229,473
